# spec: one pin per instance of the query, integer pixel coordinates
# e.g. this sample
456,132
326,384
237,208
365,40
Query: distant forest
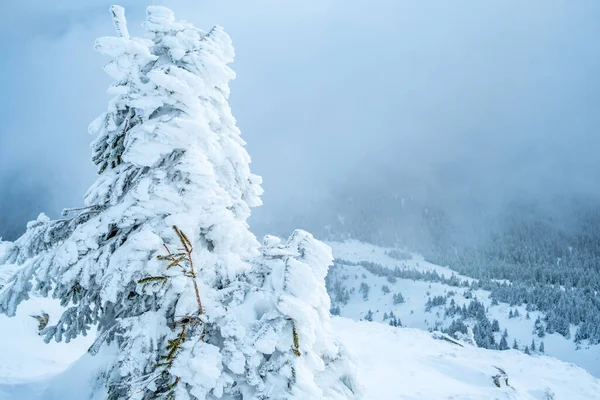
550,256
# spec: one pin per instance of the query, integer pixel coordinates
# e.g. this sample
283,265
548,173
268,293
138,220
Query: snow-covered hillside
402,364
394,363
361,282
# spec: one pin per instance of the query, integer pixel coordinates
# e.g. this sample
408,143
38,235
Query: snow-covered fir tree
468,337
395,322
503,345
538,328
295,347
495,326
160,258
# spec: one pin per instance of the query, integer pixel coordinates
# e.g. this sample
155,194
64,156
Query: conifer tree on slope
161,259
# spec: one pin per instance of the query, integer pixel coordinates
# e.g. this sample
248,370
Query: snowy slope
403,364
394,363
416,293
353,250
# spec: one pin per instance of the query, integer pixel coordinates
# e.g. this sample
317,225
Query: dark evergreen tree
364,289
538,328
503,344
517,313
398,298
495,326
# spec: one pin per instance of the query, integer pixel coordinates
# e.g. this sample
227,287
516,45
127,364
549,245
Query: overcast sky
490,100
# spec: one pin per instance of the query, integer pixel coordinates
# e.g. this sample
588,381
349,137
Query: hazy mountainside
548,249
399,288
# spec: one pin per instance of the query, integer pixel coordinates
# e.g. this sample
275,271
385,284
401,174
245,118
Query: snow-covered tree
398,298
364,289
495,326
503,345
395,322
6,271
538,328
160,259
296,349
468,337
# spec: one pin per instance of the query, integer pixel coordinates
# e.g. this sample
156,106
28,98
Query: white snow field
408,364
394,363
